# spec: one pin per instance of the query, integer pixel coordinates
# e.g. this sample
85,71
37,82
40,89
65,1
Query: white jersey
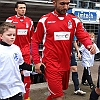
10,78
87,57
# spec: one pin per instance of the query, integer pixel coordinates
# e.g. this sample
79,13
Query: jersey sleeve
36,40
81,34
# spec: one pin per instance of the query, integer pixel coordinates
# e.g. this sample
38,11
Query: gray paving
39,91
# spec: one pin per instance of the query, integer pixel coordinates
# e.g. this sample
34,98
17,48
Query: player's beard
61,12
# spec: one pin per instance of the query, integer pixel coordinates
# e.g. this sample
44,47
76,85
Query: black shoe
92,86
97,59
85,84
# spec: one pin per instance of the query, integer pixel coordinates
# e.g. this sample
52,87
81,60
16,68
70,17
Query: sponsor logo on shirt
22,32
51,21
61,35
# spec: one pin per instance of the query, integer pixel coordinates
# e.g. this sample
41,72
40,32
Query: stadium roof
35,8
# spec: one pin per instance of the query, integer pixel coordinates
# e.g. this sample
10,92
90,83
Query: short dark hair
5,26
99,18
19,2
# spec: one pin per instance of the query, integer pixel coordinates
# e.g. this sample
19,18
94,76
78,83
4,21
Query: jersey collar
58,15
22,17
4,43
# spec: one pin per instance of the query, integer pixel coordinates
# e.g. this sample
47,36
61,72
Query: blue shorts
73,60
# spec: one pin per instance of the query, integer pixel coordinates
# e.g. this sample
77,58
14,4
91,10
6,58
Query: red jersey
57,32
24,33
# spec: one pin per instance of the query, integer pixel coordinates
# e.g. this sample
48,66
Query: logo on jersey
15,56
51,21
61,35
67,36
15,22
69,24
22,32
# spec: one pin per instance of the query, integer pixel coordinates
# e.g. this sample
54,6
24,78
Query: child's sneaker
79,92
92,86
85,84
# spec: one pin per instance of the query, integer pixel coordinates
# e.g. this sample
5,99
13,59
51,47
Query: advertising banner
86,15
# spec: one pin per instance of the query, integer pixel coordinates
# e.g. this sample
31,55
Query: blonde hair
5,26
92,34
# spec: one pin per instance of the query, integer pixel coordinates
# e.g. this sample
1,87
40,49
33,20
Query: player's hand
38,68
92,49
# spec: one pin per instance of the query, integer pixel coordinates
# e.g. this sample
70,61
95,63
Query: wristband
33,68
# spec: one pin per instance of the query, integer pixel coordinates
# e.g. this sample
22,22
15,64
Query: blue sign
69,11
91,16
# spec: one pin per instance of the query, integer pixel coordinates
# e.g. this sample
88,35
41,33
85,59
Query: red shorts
57,82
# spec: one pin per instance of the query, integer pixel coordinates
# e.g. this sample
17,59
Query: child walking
11,85
87,62
75,79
